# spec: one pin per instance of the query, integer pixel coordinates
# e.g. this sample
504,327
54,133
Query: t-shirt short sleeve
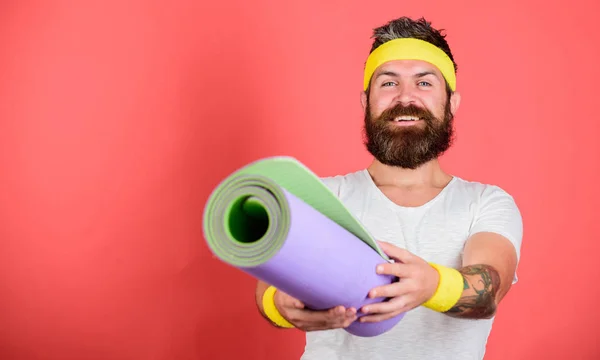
333,183
499,213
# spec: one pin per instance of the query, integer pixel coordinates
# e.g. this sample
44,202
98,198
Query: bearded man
455,243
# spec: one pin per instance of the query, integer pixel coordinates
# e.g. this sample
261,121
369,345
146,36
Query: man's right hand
293,310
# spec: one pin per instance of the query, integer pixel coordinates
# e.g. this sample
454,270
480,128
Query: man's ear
363,100
454,102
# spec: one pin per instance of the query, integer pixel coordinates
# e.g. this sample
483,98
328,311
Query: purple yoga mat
303,252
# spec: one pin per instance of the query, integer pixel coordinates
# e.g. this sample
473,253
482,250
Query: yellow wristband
449,291
268,302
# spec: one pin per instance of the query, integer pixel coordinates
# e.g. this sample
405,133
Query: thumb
298,304
290,301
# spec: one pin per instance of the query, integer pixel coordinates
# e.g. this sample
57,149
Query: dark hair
405,27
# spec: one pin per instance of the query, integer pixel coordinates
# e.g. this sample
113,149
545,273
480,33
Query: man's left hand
418,282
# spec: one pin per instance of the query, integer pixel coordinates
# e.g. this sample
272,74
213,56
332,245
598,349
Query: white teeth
406,118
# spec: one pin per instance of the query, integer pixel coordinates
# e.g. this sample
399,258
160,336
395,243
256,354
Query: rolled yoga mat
277,221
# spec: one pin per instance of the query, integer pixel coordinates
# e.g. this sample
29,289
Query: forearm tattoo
478,301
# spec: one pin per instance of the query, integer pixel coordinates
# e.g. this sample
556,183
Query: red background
119,117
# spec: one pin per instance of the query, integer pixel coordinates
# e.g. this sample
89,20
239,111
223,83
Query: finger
297,304
393,305
350,312
323,319
289,301
397,269
327,326
292,304
318,317
340,314
379,317
324,325
389,291
350,317
396,253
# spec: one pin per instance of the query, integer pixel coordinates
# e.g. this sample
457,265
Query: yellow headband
410,49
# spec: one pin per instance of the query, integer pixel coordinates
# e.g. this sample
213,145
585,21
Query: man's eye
424,83
389,83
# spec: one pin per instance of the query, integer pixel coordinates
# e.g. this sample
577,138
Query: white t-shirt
437,232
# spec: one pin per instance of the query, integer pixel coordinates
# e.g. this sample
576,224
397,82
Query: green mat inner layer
247,219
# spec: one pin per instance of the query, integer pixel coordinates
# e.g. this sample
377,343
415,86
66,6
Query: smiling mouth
406,118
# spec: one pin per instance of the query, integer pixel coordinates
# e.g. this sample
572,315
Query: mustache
408,110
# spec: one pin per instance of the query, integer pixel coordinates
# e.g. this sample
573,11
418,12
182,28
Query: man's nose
406,94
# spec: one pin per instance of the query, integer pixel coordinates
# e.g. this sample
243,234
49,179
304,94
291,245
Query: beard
408,146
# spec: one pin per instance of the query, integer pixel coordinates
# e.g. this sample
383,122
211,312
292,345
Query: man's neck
429,174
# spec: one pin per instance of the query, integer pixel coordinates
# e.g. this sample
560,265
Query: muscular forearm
479,297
